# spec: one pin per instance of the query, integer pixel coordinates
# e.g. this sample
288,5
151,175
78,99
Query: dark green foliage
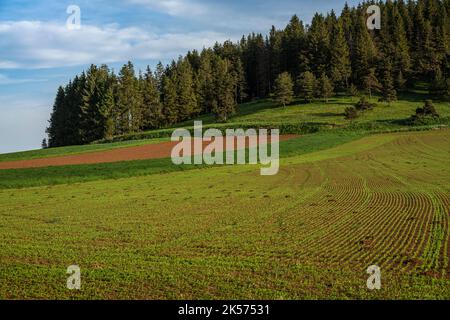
306,84
425,115
370,82
284,89
44,144
353,90
413,45
339,56
224,103
388,91
129,108
152,115
325,88
363,105
351,113
439,85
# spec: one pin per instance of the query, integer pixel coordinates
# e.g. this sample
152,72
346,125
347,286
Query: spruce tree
54,129
170,98
438,87
339,57
306,85
129,105
388,91
284,89
318,45
325,87
186,99
293,38
364,50
205,82
152,108
370,82
98,105
224,105
44,144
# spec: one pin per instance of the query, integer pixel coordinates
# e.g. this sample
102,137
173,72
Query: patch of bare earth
150,151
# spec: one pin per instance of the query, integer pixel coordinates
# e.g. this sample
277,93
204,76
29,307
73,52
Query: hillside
308,232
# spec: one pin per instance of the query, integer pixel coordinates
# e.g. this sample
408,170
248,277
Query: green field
342,201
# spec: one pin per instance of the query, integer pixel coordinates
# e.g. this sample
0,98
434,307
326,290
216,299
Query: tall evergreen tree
186,99
388,90
284,89
340,56
306,84
152,108
54,129
325,87
224,104
318,45
370,82
170,100
129,110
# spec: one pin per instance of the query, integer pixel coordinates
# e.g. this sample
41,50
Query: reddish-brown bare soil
150,151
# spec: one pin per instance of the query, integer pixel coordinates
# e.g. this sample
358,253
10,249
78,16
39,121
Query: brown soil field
151,151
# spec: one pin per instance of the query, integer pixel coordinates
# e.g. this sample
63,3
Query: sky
38,52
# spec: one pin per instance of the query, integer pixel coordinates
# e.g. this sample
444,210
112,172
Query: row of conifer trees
339,51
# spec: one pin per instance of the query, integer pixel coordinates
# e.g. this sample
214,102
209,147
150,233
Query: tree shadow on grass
326,114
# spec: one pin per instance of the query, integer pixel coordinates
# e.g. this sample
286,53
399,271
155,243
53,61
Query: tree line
332,54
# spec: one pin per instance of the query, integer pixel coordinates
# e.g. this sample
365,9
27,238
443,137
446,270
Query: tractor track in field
151,151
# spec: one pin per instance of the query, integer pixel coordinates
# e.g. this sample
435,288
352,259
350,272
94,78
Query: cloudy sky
38,52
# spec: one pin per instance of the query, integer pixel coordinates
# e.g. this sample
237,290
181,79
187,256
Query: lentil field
226,232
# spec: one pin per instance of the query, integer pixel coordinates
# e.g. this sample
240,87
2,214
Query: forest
334,54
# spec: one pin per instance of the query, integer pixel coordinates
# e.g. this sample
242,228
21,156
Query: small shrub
425,115
351,113
363,105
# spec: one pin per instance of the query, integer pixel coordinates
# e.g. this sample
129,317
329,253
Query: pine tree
318,45
388,90
438,87
129,105
44,144
284,89
205,82
54,129
306,85
363,57
370,82
224,104
340,57
400,81
98,105
159,76
170,107
353,91
325,87
275,54
152,113
293,37
186,99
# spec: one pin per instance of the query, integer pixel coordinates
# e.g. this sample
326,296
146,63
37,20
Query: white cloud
4,79
36,44
8,65
217,15
174,7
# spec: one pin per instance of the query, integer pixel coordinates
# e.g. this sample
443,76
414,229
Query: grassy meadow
346,197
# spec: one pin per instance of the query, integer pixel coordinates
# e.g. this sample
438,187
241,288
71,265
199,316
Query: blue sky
38,53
